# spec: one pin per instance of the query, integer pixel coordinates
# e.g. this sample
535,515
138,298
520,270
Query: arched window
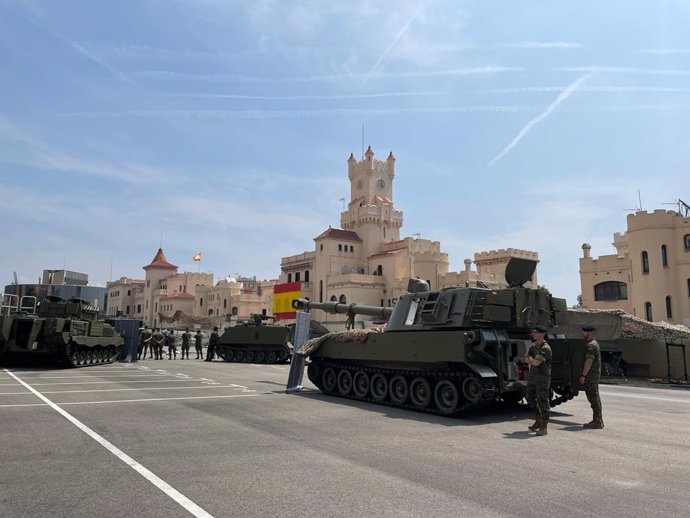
686,241
342,299
379,270
234,311
645,262
340,248
664,257
225,303
669,313
210,312
334,298
648,311
611,290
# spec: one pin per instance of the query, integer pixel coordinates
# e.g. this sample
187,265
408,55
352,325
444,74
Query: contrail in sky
567,92
392,44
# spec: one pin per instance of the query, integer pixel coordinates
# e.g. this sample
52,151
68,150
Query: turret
343,309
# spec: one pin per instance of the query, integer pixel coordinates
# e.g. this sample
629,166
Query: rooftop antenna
682,208
639,201
362,141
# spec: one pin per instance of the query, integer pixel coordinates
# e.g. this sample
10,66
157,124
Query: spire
391,158
352,158
160,262
369,154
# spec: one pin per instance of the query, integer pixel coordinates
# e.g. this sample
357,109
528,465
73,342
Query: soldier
539,379
145,343
186,340
197,345
212,341
158,341
591,372
172,344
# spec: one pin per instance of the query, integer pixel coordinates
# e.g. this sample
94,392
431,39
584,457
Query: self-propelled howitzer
446,351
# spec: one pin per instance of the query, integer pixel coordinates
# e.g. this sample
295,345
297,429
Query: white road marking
143,400
93,376
173,493
233,387
641,396
105,382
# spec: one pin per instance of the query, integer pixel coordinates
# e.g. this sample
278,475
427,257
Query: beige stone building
164,291
649,275
367,262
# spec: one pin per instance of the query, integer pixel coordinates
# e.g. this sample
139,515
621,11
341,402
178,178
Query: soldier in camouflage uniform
212,342
591,372
145,343
158,341
197,345
171,340
186,341
539,379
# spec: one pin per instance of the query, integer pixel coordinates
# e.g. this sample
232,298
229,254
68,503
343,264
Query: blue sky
225,126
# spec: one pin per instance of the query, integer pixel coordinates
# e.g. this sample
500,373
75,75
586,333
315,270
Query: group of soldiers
539,378
154,341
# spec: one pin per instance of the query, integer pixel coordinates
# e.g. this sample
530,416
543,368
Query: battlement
369,165
503,254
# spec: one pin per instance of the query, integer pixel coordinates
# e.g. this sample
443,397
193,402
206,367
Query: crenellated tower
371,213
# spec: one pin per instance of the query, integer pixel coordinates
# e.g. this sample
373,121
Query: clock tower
370,212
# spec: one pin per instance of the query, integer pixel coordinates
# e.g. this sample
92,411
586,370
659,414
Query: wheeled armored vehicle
446,351
68,333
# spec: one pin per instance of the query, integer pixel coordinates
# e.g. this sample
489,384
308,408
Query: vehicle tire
360,384
344,382
329,380
446,396
398,390
471,389
378,387
420,392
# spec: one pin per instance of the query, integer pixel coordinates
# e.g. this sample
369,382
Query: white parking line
103,382
173,493
142,400
234,387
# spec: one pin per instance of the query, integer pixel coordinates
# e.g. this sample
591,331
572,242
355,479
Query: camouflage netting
182,318
353,335
616,323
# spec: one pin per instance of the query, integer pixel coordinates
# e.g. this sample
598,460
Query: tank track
448,399
236,355
74,355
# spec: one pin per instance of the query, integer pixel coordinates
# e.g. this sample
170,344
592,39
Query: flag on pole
197,257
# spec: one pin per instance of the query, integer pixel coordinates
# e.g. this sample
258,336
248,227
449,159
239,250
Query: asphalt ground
179,438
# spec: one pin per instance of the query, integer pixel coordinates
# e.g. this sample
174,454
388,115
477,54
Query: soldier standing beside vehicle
212,341
172,344
197,345
591,372
158,341
145,343
539,379
186,340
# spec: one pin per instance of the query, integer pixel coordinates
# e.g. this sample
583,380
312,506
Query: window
129,292
352,248
379,270
127,312
321,247
611,290
139,306
334,298
297,276
669,313
664,256
289,277
340,248
343,300
645,262
201,302
321,290
234,310
225,303
648,311
686,241
306,276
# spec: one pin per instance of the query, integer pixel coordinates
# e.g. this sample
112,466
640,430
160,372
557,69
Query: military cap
539,328
588,327
215,328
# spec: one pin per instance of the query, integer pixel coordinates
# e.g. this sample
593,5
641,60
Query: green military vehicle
68,333
447,351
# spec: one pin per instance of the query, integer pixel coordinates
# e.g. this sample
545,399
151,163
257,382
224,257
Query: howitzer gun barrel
343,309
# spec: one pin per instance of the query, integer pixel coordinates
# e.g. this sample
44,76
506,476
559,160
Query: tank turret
446,351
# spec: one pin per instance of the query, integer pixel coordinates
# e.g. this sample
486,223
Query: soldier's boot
542,429
537,423
597,423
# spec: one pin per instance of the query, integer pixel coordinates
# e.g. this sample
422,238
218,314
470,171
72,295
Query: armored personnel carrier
447,351
69,333
255,341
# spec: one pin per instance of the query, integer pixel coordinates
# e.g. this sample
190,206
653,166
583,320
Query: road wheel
260,356
271,357
379,387
360,384
344,382
420,392
399,390
239,356
471,390
250,356
446,396
329,380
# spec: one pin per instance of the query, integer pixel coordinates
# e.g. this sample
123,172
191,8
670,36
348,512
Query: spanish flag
197,257
283,294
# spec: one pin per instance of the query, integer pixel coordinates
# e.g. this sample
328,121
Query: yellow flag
197,257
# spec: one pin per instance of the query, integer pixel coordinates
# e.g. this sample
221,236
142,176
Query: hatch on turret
519,271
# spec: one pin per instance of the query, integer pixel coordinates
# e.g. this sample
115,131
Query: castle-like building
649,275
367,262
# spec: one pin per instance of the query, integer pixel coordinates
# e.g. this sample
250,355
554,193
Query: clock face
360,184
380,183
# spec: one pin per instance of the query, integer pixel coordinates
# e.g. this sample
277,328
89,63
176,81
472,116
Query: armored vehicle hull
445,351
255,344
66,333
